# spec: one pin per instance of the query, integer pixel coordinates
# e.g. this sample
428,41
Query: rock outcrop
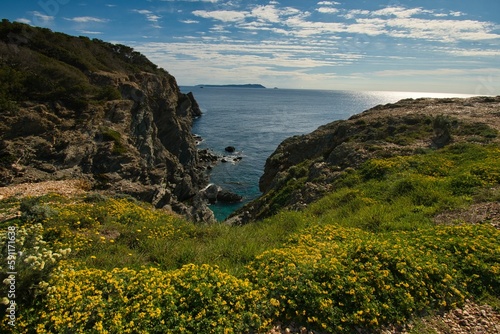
303,168
128,129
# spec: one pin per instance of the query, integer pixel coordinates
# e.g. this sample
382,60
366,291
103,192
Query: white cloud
211,1
327,10
221,15
413,72
356,12
189,21
150,16
328,3
87,19
23,20
397,11
88,32
475,53
442,72
370,27
441,30
41,19
267,13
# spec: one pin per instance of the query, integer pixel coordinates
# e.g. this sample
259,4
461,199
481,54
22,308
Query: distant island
234,86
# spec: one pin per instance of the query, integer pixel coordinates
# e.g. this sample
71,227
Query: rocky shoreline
312,162
125,127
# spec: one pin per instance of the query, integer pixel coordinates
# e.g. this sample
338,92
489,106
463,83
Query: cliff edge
75,108
304,168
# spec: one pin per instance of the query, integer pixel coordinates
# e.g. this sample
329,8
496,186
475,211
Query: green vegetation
114,136
364,256
40,65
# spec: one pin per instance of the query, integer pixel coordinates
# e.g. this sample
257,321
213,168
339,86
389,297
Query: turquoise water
255,121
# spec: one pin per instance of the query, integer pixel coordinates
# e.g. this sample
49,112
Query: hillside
75,108
405,240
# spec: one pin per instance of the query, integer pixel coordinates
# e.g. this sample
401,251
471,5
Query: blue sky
428,46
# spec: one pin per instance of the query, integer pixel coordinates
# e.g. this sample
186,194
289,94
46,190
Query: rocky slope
303,168
75,108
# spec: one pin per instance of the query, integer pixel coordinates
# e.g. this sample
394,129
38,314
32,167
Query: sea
256,120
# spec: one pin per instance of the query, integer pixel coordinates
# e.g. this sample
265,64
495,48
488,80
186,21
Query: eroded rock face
140,144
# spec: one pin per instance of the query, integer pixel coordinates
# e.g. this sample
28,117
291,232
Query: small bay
256,120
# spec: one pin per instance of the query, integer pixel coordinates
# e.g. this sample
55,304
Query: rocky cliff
75,108
304,168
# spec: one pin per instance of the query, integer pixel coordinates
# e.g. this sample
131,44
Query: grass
366,255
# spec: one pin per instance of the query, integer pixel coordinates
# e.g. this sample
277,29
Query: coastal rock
133,137
226,196
210,192
213,193
230,149
304,168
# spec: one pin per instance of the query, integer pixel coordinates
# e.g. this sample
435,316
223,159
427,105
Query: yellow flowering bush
193,299
339,279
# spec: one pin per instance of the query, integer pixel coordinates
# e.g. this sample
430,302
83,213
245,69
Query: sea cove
255,121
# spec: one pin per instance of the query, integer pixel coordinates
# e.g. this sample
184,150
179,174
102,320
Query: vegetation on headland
40,65
366,255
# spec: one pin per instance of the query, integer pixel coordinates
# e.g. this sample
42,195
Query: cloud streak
395,22
150,16
87,19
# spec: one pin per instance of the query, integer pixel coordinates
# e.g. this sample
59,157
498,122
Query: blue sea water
255,121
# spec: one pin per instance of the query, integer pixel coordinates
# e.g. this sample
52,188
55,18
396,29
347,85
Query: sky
447,46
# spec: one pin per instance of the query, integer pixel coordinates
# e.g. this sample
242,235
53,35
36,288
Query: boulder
225,196
230,149
210,193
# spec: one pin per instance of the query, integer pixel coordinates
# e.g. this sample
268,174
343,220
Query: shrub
33,209
193,299
339,279
34,261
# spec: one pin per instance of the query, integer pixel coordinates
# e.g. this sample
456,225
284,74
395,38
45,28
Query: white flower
43,285
30,258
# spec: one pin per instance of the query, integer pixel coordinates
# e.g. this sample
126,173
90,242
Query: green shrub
114,136
33,209
108,93
464,184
